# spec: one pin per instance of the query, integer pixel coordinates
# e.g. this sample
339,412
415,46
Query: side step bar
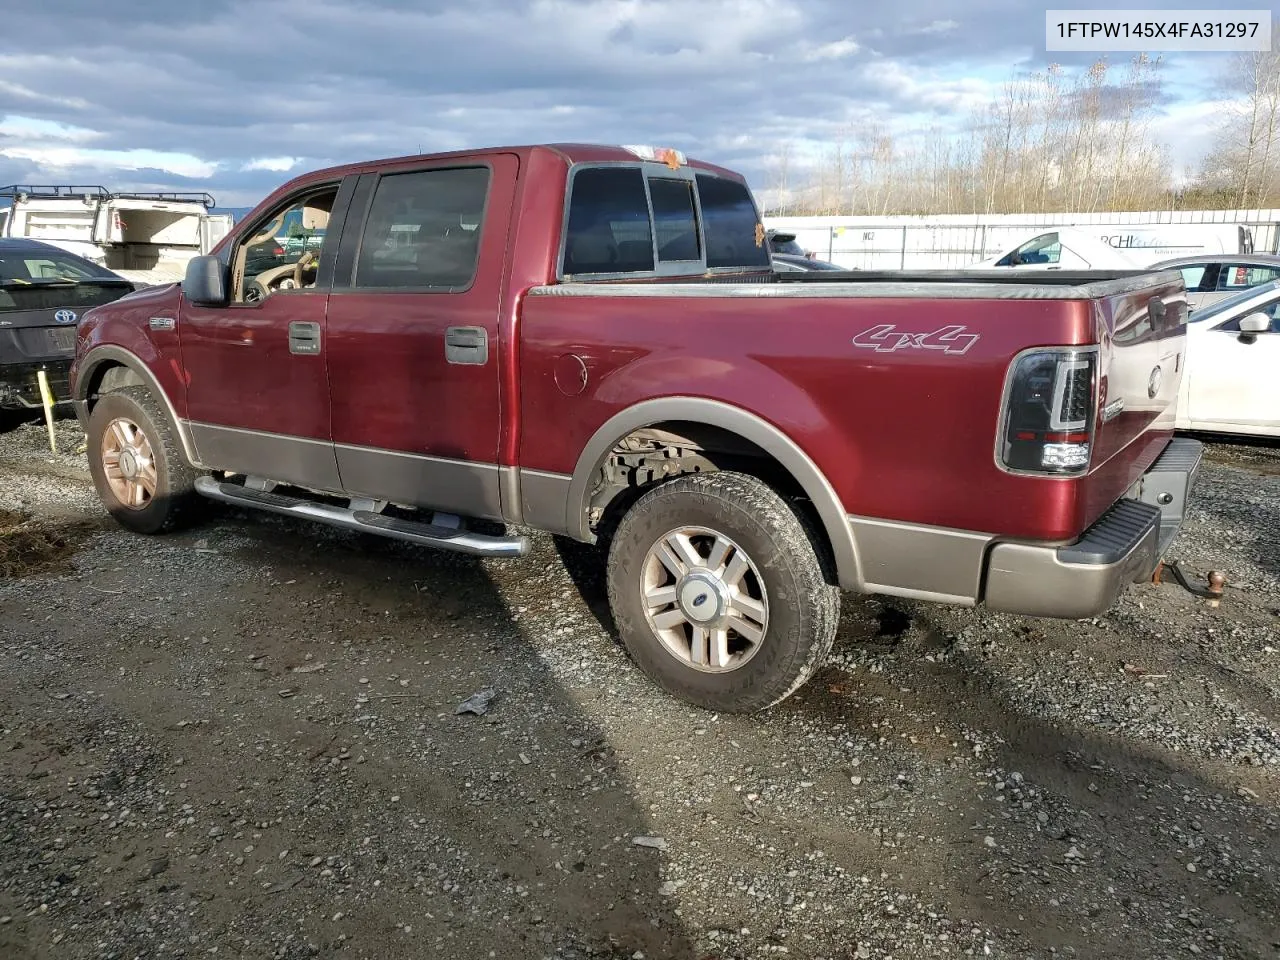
427,534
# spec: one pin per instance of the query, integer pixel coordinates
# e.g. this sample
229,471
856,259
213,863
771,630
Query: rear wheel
718,592
137,463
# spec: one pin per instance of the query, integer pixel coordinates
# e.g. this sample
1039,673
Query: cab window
423,230
283,252
1239,276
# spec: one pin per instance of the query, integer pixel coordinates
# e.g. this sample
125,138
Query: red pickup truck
590,341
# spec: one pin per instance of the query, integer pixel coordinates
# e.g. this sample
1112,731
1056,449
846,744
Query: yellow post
46,395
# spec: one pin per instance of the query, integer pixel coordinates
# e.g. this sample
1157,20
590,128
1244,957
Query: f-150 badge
885,338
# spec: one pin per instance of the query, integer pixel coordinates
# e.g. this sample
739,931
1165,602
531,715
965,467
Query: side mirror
1255,323
206,282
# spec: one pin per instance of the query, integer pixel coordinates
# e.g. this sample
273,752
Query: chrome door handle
304,337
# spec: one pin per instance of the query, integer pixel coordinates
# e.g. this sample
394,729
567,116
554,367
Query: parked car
1211,277
547,366
786,243
1063,248
786,263
43,291
1130,246
1232,379
789,256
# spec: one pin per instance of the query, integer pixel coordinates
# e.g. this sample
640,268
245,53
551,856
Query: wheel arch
108,367
733,421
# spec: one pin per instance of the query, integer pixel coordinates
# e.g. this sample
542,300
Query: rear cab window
627,221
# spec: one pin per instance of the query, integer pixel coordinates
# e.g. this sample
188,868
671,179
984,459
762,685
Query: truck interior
283,252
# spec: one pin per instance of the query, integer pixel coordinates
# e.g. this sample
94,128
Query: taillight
1049,411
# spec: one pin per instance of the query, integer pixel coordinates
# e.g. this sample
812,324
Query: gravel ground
241,740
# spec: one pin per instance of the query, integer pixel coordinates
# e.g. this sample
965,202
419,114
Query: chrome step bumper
1083,579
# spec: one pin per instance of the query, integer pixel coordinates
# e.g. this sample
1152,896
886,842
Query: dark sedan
786,263
43,291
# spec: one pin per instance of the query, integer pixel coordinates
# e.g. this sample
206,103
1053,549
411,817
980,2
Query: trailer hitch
1212,593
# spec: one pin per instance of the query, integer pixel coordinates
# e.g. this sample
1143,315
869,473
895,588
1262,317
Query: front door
413,337
257,390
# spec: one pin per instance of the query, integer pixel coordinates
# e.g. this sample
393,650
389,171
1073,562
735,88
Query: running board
365,521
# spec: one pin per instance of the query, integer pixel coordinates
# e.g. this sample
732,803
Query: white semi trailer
146,237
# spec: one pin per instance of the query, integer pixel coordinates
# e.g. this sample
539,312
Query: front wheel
137,463
718,592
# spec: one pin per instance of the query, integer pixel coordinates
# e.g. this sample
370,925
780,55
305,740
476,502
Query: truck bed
838,361
1054,284
960,284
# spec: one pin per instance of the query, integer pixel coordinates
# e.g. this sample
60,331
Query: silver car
1212,276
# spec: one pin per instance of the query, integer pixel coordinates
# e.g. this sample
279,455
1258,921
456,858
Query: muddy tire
716,586
137,463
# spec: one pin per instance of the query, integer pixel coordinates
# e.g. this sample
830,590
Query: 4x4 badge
884,338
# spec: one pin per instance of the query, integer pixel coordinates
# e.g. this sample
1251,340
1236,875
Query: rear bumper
19,386
1083,579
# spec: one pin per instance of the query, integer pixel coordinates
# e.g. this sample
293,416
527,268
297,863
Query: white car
1231,383
1064,248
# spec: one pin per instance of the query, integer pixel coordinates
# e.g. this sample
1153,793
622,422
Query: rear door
413,329
257,390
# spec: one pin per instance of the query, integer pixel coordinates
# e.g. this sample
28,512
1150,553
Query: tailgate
1142,343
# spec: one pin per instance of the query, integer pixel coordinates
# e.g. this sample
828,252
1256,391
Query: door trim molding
304,461
471,488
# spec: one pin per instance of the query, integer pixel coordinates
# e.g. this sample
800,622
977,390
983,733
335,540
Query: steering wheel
304,261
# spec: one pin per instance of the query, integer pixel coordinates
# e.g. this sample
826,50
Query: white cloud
35,129
1192,130
833,51
925,90
60,158
274,164
21,92
936,26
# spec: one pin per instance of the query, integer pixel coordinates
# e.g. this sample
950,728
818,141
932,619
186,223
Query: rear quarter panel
905,434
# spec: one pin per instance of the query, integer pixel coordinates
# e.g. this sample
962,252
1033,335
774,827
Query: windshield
1220,307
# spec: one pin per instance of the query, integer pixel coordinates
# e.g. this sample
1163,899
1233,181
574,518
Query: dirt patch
242,740
35,545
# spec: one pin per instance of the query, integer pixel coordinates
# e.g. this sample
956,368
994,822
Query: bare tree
778,168
1243,168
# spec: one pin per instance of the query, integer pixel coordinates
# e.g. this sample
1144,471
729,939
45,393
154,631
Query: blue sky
235,97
